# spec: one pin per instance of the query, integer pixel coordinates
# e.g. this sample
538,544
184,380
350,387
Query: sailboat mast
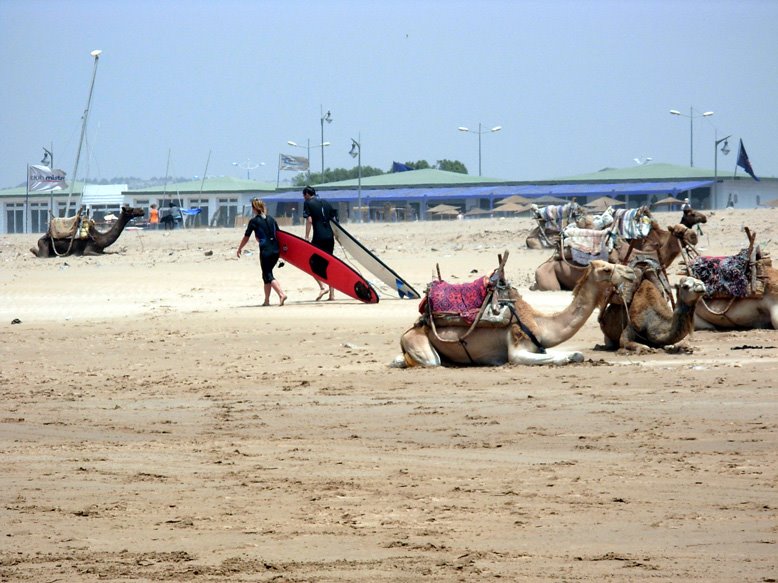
96,55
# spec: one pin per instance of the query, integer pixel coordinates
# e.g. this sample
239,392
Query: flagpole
278,176
96,55
27,203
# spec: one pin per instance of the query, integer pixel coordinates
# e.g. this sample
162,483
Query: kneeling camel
518,343
648,323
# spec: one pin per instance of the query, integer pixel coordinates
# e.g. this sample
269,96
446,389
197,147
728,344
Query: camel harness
497,311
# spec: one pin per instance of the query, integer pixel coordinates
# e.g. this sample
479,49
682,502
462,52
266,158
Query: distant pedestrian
154,217
265,230
318,213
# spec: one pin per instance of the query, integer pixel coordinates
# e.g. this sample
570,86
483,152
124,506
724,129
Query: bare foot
266,304
321,294
283,299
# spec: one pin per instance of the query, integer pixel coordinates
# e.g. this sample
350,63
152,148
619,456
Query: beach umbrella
668,201
442,207
771,203
514,199
603,203
512,208
547,199
477,211
447,213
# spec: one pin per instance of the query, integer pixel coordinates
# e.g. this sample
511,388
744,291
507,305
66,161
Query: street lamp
725,151
480,132
308,148
328,118
356,152
248,167
691,117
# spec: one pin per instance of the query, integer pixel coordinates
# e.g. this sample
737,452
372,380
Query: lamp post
480,132
691,117
248,167
308,149
328,118
725,151
356,152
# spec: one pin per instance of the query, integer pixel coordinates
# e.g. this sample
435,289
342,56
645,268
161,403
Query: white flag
45,179
286,162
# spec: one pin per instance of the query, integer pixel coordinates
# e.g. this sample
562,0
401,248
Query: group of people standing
317,214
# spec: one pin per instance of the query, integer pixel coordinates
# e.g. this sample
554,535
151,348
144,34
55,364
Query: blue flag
744,162
397,167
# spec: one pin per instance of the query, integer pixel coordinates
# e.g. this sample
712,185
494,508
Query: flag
44,179
744,162
397,167
286,162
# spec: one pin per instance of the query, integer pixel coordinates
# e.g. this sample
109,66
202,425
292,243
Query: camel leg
556,357
43,248
417,350
702,324
628,343
773,314
546,278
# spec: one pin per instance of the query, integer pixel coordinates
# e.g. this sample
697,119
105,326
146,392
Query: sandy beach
159,424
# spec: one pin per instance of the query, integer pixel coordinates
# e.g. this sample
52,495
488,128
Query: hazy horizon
576,87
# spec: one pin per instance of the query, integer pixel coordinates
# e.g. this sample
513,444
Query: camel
527,336
649,323
741,313
748,313
94,244
546,234
562,274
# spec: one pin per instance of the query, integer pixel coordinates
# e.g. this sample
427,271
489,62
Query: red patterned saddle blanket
462,299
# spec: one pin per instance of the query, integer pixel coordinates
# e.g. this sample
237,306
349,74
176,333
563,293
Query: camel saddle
69,227
466,304
742,275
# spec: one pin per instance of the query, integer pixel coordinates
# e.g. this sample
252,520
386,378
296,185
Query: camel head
132,212
692,217
605,273
690,290
685,235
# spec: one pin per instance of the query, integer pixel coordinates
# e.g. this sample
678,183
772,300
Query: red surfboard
331,270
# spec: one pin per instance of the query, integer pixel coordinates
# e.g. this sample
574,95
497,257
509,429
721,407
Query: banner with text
45,179
286,162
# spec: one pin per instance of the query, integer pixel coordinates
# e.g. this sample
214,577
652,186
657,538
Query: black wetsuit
265,231
321,212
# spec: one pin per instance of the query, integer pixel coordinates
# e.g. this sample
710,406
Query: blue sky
576,86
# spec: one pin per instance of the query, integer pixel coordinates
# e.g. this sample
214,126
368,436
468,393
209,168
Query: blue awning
418,194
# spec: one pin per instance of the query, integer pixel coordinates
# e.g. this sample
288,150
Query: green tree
452,166
419,165
335,175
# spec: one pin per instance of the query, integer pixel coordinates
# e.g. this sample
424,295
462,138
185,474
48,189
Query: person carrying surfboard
317,214
265,230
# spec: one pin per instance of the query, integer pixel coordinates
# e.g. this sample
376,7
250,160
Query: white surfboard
372,263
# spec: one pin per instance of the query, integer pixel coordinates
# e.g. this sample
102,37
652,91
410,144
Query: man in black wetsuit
317,214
